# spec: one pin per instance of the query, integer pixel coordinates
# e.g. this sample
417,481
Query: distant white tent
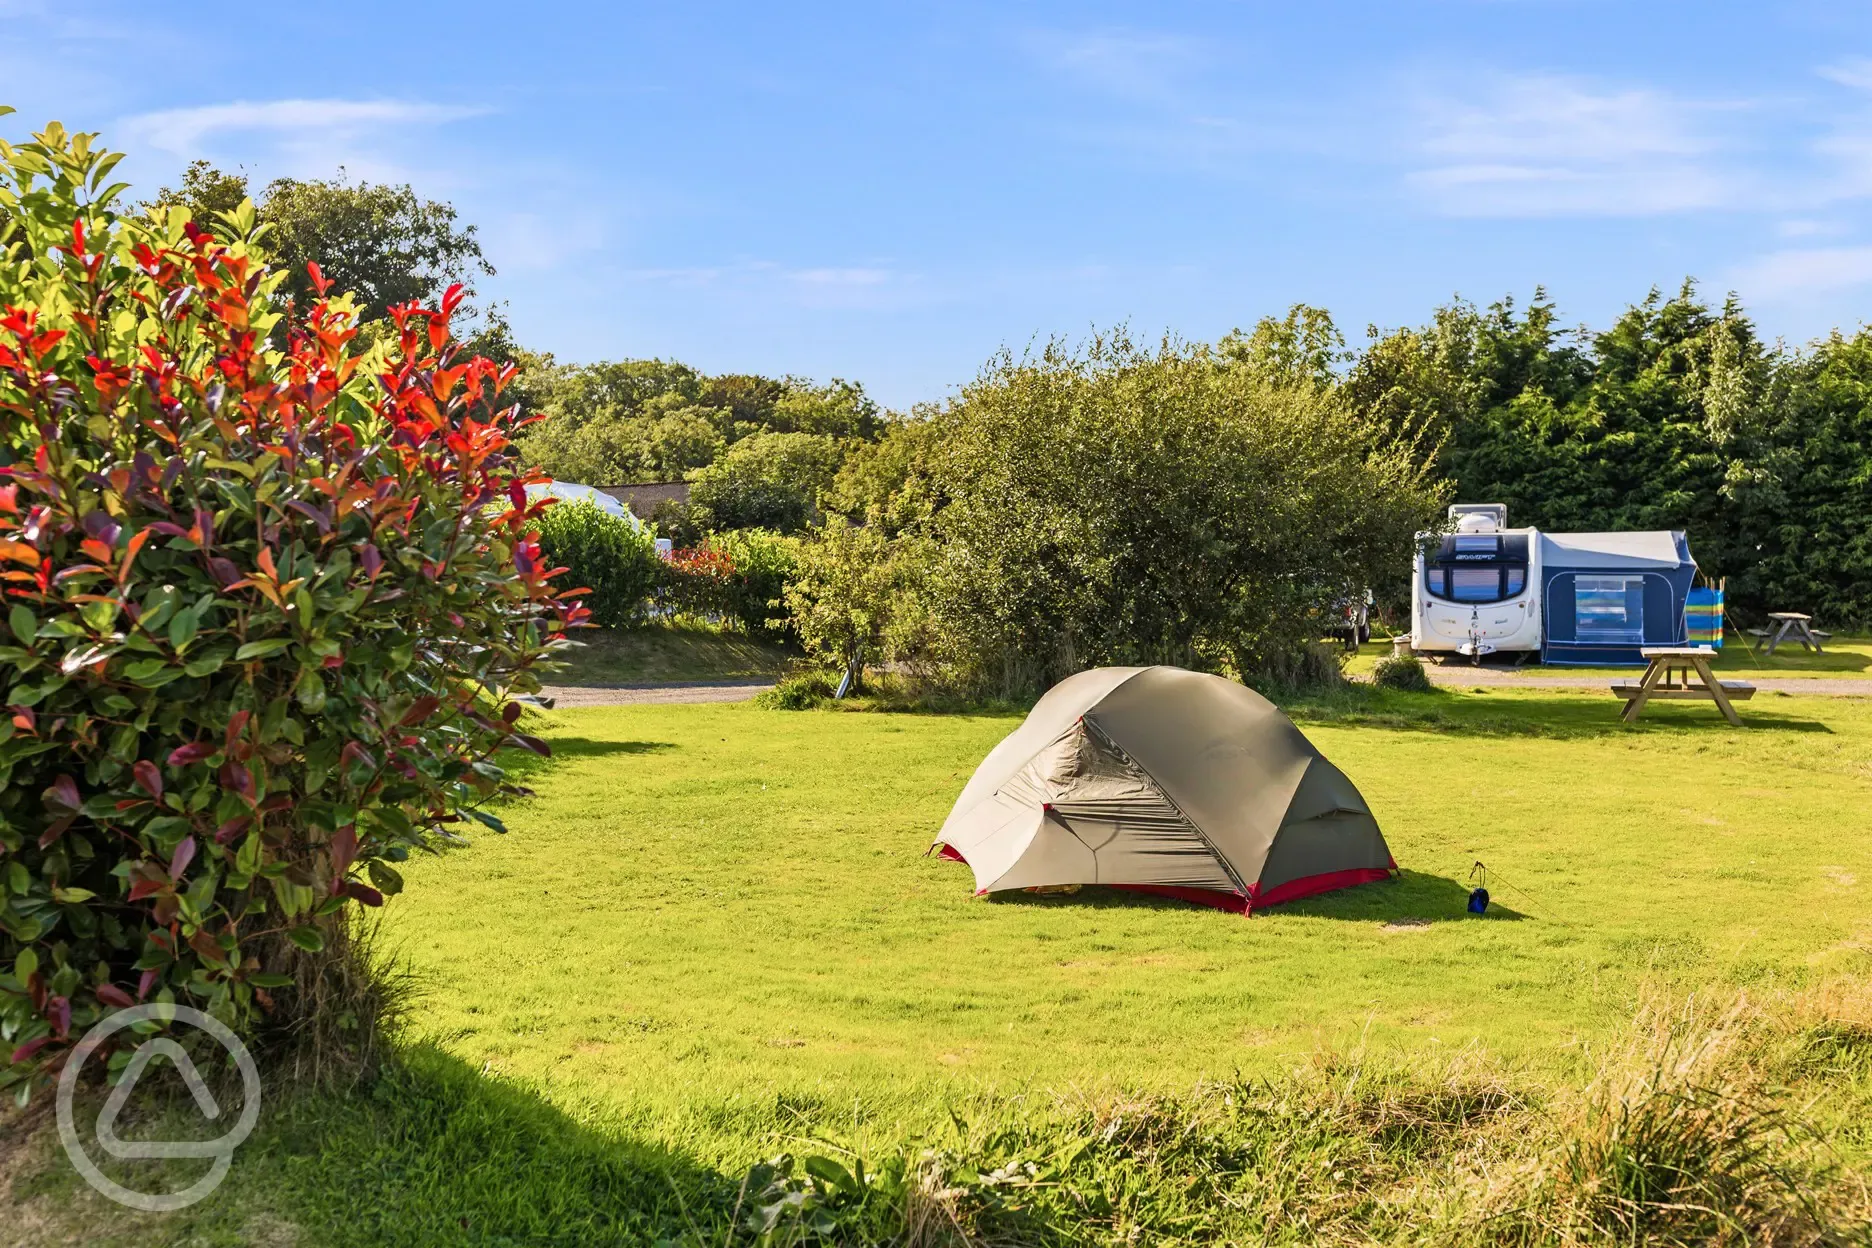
572,492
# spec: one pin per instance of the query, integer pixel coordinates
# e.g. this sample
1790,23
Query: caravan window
1475,584
1609,610
1517,581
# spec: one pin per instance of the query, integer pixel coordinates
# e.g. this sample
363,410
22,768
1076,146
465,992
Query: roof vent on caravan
1479,517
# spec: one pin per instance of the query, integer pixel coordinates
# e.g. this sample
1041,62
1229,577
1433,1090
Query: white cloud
1544,145
841,277
1135,65
1800,272
1854,71
185,131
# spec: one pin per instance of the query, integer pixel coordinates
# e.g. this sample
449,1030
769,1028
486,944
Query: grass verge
672,652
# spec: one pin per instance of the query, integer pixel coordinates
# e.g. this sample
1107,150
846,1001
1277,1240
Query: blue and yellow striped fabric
1703,616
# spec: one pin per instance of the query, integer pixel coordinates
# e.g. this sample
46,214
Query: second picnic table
1657,682
1791,626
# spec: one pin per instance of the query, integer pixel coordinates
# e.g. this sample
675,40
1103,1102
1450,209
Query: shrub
1124,505
607,555
799,691
263,611
734,578
1401,672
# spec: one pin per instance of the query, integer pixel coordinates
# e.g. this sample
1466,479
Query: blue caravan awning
1606,596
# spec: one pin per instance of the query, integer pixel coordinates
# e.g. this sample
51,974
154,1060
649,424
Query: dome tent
1165,781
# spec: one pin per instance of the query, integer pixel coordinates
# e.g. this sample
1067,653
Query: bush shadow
523,766
435,1152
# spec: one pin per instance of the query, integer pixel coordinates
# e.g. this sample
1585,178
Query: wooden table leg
1774,637
1635,706
1810,640
1716,691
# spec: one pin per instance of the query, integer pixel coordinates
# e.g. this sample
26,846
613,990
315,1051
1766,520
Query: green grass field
714,936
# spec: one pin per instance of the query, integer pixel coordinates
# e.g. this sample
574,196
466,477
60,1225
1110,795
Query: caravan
1579,598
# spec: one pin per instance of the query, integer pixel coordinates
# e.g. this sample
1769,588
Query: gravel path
636,695
1461,676
1455,676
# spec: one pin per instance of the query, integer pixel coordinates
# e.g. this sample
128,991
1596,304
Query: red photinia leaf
148,777
320,282
526,742
62,794
511,712
204,944
231,829
343,850
235,778
354,752
236,723
58,1010
422,708
362,892
184,854
24,719
194,752
146,981
146,887
25,1051
111,994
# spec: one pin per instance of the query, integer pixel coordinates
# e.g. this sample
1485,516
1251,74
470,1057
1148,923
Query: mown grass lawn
714,936
712,904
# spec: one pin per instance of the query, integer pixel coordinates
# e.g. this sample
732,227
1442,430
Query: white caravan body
1477,591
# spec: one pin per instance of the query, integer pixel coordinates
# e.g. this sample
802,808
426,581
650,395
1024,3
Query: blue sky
889,192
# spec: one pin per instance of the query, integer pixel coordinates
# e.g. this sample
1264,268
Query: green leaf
203,664
481,816
261,649
25,964
24,623
388,882
270,979
72,896
307,938
182,629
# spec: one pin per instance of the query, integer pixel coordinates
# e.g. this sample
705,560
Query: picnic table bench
1657,682
1791,626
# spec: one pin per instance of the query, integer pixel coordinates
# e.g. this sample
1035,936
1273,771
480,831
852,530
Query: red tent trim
1308,885
1233,902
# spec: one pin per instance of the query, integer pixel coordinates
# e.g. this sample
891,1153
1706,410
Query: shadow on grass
435,1153
1493,713
1410,899
525,767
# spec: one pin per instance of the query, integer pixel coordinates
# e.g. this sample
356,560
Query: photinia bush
268,601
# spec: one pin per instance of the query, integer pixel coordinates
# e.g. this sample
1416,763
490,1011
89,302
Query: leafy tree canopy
384,243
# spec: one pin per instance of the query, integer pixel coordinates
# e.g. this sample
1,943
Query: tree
842,594
768,481
382,242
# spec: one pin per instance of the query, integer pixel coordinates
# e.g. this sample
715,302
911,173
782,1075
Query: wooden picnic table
1793,626
1658,682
